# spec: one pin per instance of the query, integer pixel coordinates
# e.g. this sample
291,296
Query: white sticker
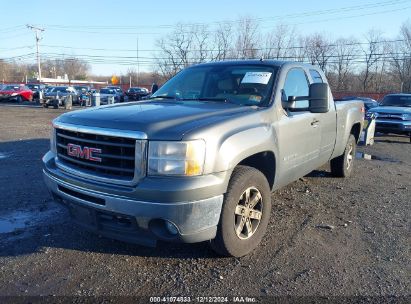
256,77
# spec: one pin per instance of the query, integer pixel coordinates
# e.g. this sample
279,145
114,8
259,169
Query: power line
265,19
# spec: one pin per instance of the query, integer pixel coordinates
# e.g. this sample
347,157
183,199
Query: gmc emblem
83,152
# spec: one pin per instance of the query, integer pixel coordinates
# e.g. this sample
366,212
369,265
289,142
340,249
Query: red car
16,92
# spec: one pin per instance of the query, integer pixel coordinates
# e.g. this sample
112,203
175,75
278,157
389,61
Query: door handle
315,122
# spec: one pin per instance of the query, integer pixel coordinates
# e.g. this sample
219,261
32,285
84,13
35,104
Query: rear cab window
316,76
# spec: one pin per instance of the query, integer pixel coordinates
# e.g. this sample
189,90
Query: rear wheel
342,165
245,213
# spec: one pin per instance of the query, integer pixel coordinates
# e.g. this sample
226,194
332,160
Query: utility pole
138,65
38,38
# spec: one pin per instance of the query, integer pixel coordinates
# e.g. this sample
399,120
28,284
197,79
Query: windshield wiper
164,96
210,99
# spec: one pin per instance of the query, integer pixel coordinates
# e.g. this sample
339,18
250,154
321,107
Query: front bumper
8,97
393,126
120,213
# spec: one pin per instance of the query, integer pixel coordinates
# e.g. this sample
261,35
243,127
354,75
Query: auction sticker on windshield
256,77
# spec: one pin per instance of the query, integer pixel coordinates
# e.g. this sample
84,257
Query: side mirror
319,98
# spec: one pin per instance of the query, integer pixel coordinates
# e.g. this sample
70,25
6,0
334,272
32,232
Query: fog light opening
171,228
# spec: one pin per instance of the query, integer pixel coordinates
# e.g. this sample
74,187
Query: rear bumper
391,126
114,212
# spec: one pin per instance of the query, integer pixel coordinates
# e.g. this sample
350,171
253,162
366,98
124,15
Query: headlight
53,140
184,158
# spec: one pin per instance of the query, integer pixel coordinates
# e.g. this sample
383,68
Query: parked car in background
369,103
16,92
60,93
37,88
136,93
81,88
120,92
105,93
393,115
84,94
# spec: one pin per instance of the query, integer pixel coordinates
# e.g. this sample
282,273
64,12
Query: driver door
299,130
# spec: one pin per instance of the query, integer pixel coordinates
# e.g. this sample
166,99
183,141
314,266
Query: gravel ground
328,237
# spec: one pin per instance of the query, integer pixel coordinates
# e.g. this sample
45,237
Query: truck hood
391,110
160,120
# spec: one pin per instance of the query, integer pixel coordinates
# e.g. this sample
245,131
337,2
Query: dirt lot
365,253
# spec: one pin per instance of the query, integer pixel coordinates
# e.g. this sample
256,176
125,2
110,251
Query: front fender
244,143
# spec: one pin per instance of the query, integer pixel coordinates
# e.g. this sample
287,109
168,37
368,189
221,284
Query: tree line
372,64
73,68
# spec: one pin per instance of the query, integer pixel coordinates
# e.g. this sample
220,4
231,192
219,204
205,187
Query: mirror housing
319,98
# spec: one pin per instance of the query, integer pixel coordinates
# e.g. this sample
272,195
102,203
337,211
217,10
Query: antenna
38,38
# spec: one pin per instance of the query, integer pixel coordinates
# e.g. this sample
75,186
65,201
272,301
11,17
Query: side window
316,76
296,84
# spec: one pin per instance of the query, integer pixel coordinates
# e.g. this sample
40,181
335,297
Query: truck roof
262,62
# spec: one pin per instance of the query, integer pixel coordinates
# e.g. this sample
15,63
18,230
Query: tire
229,240
19,99
45,105
342,165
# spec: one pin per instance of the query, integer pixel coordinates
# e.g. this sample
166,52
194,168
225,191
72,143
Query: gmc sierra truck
199,160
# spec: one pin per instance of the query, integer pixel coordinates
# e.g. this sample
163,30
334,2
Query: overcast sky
112,28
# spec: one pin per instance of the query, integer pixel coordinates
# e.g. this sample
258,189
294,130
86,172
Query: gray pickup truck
199,160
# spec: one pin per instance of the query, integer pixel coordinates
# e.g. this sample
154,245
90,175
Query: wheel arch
356,131
265,162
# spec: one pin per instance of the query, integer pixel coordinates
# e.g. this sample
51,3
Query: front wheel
245,213
342,165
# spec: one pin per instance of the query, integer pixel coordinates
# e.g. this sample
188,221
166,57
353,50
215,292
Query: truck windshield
239,84
397,101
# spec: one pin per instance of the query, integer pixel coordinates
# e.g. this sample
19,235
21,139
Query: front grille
388,125
117,154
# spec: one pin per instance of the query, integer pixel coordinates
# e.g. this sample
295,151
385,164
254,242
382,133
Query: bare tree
299,52
400,53
201,44
248,39
345,51
372,53
175,49
222,42
280,43
319,50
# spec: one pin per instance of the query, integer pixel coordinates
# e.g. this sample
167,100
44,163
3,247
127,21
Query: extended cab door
327,124
299,132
